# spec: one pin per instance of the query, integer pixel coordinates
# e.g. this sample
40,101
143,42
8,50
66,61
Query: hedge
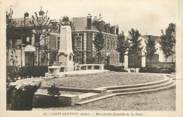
34,71
20,99
156,70
115,68
26,71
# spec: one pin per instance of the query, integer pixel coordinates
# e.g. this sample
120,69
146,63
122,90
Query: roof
80,23
19,22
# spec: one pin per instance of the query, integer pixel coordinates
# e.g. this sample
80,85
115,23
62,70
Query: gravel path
104,79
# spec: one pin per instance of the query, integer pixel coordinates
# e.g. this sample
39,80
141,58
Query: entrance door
29,58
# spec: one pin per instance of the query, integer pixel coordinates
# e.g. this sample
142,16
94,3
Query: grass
154,101
103,79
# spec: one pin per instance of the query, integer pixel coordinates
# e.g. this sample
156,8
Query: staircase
125,90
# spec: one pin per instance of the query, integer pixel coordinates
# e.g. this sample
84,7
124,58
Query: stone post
85,39
126,61
33,40
143,63
23,56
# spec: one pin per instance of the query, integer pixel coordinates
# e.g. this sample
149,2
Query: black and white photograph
91,55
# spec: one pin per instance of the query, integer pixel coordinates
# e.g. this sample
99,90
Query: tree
99,44
99,39
150,47
9,18
135,42
122,46
167,41
135,48
9,24
41,23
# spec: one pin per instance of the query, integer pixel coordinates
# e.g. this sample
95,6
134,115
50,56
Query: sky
148,16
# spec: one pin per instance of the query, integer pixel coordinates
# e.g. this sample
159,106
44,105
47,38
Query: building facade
25,49
84,34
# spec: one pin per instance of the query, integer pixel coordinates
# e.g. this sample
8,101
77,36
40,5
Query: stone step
73,89
142,87
168,85
87,95
137,85
148,90
94,99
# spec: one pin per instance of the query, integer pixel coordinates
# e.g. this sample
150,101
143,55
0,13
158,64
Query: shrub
35,71
115,68
21,98
12,73
156,70
53,90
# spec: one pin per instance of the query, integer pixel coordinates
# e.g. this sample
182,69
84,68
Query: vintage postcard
120,58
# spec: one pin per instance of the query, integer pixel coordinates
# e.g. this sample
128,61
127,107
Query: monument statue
65,50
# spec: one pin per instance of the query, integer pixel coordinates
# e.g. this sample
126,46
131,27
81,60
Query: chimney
117,30
89,22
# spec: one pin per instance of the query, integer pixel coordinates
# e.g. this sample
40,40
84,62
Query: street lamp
25,16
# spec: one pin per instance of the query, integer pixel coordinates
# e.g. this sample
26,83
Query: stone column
37,55
33,40
93,38
143,62
85,49
23,56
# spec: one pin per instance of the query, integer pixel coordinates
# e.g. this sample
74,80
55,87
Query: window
108,44
78,43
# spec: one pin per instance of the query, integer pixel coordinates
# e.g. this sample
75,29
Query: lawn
103,79
154,101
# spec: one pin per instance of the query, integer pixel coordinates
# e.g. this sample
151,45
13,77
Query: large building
84,34
23,48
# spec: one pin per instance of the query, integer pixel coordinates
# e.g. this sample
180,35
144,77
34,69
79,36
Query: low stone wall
89,67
